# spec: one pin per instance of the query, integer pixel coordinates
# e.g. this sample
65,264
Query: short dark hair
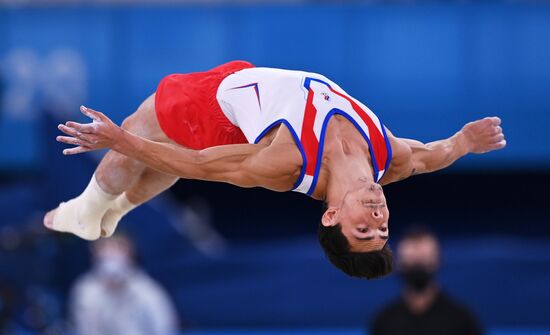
416,232
370,265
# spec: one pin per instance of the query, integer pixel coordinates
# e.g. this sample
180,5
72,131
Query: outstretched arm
414,157
245,165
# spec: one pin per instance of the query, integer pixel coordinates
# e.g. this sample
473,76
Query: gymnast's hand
483,135
100,134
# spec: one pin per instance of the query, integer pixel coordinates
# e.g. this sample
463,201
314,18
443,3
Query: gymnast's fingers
92,114
76,150
499,137
75,133
498,145
88,128
72,140
68,130
496,120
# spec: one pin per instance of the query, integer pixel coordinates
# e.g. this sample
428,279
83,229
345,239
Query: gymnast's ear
330,217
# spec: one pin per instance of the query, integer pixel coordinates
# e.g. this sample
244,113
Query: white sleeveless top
257,99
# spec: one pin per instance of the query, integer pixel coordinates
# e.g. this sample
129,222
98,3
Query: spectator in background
423,308
116,297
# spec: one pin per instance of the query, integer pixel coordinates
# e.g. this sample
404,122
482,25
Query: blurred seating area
502,279
235,261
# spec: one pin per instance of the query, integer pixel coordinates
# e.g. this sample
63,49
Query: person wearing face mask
116,297
423,308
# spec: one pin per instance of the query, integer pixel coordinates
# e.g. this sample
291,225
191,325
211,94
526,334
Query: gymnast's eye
363,230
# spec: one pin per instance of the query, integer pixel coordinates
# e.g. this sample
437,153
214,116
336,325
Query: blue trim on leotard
298,143
332,112
388,147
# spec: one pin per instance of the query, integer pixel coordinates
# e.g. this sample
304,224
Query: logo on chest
325,96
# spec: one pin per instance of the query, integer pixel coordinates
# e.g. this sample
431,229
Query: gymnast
250,126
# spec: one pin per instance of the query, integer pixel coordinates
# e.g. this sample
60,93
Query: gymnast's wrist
462,143
122,142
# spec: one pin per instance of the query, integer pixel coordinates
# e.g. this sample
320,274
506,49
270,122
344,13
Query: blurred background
223,260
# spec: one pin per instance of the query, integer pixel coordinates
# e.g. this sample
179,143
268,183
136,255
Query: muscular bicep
218,163
420,156
251,165
407,159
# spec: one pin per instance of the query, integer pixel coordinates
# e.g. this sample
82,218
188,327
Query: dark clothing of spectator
444,316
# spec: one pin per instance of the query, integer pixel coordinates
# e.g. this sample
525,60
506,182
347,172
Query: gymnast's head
354,232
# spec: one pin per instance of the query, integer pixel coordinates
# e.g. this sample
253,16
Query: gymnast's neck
346,164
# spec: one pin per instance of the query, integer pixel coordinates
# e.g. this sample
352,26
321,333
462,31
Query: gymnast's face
363,215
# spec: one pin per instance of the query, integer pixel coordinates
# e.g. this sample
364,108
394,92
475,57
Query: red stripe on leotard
310,143
377,140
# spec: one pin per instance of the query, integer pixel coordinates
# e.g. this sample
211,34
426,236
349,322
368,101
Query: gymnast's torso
259,100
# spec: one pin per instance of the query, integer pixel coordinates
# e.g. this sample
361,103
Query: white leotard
256,99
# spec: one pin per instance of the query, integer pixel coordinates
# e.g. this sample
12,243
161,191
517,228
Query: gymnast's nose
377,214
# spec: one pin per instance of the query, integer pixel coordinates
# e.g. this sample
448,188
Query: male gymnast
278,129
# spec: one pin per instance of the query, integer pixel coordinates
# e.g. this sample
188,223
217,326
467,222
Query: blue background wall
426,69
